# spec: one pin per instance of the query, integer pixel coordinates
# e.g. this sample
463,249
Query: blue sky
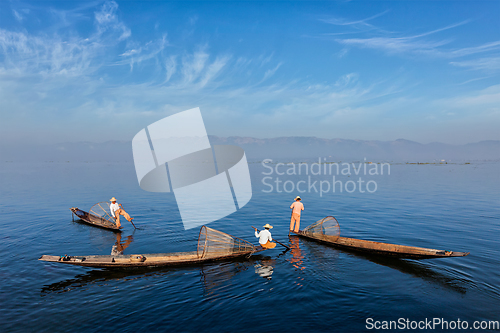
95,71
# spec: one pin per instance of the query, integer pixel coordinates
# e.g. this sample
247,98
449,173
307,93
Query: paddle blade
327,228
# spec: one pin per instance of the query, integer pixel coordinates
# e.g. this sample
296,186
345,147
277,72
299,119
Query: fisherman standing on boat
117,210
296,207
264,236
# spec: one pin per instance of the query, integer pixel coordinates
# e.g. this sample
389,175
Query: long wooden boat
141,260
327,231
212,245
99,216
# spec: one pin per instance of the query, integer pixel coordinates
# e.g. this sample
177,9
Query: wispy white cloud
476,49
193,19
45,55
396,44
62,54
448,27
214,69
342,52
271,72
489,64
170,67
17,15
363,23
193,65
483,101
106,19
243,63
418,44
347,79
143,52
263,59
403,44
473,80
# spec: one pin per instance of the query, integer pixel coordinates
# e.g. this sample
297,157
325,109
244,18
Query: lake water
311,288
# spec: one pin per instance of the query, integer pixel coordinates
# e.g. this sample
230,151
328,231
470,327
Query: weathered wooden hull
150,260
94,220
383,249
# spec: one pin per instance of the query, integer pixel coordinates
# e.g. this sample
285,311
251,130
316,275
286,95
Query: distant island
282,148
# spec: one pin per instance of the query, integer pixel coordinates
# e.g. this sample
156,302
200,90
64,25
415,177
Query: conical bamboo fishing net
327,229
212,242
99,212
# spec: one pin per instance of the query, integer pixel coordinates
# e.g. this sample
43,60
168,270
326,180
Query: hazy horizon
4,144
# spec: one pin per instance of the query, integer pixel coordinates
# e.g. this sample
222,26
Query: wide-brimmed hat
113,199
297,197
268,226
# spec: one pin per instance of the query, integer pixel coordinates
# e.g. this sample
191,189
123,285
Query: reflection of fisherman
118,248
297,256
117,210
264,236
264,269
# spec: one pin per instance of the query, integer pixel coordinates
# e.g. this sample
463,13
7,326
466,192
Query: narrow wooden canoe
212,245
385,249
144,260
105,221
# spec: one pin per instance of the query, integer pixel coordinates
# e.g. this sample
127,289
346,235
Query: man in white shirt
297,207
117,210
265,239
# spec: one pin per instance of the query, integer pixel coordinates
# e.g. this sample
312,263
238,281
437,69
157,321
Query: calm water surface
310,288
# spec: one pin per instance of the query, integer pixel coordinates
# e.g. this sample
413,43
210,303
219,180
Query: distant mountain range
283,148
342,149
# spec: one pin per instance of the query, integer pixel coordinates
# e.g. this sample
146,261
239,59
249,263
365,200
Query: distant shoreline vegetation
324,168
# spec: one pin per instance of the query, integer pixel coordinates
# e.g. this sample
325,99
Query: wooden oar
277,241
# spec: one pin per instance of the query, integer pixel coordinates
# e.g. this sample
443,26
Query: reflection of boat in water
435,275
421,271
327,231
99,216
216,276
94,277
212,245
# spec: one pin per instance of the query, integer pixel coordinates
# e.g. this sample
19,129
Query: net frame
101,210
327,228
213,242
